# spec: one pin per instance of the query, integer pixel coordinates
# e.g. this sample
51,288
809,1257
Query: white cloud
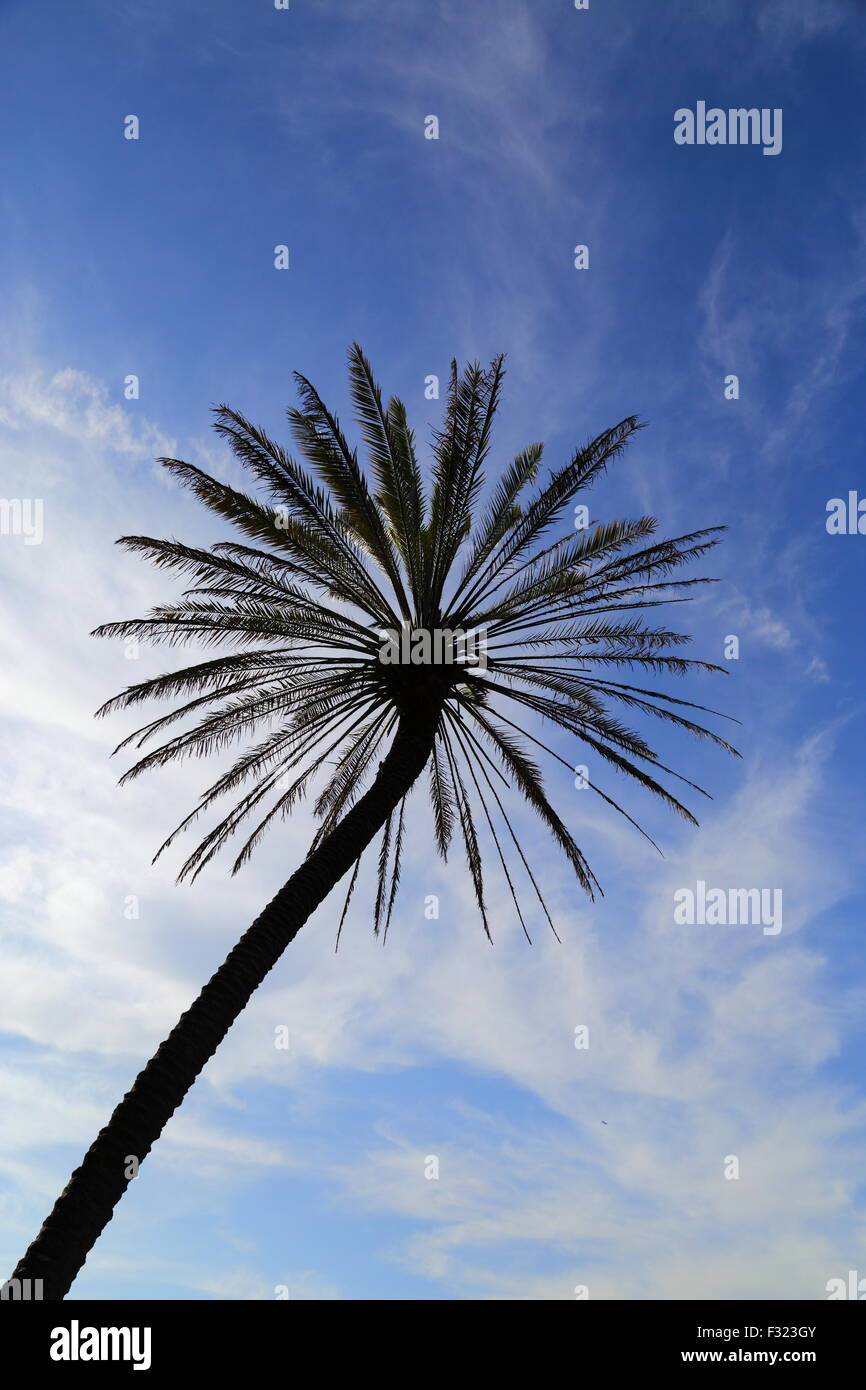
704,1042
76,406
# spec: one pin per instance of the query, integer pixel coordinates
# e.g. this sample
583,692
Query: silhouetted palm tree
336,564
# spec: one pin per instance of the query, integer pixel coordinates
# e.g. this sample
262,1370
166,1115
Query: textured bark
87,1203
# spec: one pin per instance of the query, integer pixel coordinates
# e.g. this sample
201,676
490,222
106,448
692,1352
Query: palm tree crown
345,577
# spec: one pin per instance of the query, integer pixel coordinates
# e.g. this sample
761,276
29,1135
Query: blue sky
155,258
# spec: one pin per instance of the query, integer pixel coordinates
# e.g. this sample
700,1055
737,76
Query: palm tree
342,577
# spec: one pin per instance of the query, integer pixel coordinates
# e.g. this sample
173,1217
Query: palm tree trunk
87,1203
